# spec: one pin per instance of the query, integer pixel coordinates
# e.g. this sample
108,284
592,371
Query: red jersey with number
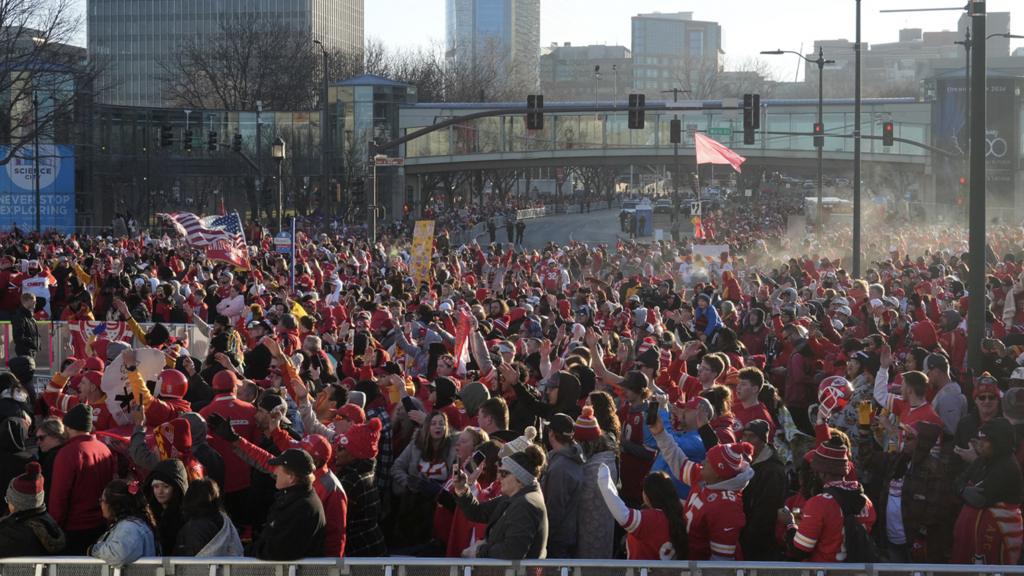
714,518
821,533
647,536
552,278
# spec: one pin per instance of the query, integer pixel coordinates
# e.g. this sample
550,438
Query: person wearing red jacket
242,416
714,508
820,536
82,469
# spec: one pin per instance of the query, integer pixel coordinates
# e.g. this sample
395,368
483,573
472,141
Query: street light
820,62
378,159
597,87
278,153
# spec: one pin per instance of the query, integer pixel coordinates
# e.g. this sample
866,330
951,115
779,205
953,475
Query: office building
673,50
482,32
133,37
585,73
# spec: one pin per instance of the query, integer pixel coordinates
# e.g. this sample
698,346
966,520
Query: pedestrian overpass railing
399,566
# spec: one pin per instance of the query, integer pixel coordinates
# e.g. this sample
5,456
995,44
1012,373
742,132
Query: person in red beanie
61,401
714,509
355,460
242,416
28,530
821,535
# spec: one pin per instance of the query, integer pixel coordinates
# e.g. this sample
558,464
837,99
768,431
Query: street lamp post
278,152
820,62
597,87
373,206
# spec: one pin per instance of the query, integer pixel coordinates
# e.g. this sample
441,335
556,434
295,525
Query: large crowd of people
580,401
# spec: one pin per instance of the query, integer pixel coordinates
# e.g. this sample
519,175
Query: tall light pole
597,87
976,209
820,62
615,72
857,53
278,152
325,131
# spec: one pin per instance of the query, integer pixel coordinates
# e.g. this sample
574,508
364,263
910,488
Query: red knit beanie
586,427
728,460
361,439
25,492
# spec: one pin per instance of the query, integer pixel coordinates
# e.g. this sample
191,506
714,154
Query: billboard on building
56,165
1002,138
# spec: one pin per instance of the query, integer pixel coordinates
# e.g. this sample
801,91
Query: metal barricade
399,566
55,344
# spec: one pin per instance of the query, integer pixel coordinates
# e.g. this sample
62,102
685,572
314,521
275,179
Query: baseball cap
295,460
272,402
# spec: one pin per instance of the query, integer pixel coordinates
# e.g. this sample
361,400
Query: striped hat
586,427
831,458
728,460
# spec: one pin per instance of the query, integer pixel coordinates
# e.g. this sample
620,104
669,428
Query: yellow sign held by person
422,251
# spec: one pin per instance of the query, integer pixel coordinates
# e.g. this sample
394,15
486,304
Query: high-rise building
674,51
482,31
585,73
133,37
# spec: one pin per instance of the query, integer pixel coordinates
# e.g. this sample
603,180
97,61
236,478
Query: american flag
221,236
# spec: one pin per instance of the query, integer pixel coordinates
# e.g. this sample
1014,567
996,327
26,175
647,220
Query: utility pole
976,210
675,155
857,52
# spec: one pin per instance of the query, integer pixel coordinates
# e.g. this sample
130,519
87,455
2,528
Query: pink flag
710,151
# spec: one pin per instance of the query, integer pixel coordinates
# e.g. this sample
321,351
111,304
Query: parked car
663,206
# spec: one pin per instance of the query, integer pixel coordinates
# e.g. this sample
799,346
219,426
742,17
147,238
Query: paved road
594,227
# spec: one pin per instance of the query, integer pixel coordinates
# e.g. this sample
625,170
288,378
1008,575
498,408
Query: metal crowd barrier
55,343
398,566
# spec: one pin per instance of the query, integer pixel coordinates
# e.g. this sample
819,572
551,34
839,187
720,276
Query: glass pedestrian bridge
785,131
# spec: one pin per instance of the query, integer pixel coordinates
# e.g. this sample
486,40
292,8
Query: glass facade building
667,47
506,29
133,37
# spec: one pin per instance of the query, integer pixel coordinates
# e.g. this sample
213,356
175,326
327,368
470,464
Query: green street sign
720,132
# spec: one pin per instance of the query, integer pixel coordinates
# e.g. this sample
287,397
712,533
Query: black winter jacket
295,527
30,533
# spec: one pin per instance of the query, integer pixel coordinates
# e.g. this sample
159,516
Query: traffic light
535,112
819,135
637,102
188,140
675,131
166,136
211,141
887,134
236,143
751,116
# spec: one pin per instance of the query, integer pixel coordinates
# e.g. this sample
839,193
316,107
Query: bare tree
42,71
249,60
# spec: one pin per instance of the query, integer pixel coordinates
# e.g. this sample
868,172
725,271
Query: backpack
860,548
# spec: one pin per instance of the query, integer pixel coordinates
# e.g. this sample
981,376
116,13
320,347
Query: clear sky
748,26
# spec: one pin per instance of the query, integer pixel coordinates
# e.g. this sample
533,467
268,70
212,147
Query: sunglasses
987,397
